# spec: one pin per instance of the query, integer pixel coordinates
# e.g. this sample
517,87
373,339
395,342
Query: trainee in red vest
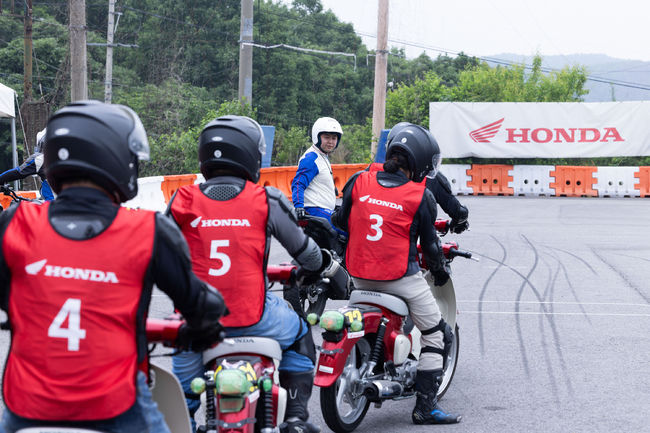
227,241
73,311
379,224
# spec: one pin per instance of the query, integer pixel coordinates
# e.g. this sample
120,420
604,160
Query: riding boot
298,386
427,410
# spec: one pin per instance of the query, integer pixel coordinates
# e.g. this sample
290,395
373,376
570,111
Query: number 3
71,310
214,254
378,222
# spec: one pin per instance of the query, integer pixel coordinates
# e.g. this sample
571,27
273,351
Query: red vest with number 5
379,224
73,311
227,242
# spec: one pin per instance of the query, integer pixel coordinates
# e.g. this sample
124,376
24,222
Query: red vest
379,225
72,307
227,242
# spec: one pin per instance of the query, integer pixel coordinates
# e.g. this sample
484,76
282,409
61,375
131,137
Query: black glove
300,212
458,226
307,278
440,277
198,340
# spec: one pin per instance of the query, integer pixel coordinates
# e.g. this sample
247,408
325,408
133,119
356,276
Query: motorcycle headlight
332,321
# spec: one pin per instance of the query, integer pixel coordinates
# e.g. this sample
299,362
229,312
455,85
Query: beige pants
423,309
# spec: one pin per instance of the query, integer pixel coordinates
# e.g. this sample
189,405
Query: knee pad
447,340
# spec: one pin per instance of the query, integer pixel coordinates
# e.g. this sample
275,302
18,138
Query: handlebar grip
460,253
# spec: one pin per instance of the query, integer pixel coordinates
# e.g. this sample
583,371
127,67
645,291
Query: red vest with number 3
227,242
380,222
73,311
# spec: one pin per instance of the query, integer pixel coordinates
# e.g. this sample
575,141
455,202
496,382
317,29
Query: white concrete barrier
458,178
150,195
533,180
616,182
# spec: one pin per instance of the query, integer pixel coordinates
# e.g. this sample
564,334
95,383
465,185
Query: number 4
71,310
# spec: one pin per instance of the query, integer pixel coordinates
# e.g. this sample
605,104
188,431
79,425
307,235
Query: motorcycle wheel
452,362
343,407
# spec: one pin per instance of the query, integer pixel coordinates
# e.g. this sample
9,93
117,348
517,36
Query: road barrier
519,180
644,181
490,179
5,200
574,181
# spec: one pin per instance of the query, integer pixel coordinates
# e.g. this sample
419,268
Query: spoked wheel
343,405
450,367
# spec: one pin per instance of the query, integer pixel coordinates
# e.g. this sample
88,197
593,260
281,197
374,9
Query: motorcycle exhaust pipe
382,389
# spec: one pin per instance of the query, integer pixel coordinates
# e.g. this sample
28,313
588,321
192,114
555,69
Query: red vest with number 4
227,242
73,312
380,222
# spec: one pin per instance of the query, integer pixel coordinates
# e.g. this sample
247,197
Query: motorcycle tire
452,362
343,409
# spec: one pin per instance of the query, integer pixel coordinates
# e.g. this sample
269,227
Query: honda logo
485,133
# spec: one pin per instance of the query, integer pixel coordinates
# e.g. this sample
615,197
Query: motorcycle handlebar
454,252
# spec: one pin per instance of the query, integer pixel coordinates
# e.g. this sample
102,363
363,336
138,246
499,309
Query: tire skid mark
633,257
520,335
548,295
482,295
623,276
577,257
553,327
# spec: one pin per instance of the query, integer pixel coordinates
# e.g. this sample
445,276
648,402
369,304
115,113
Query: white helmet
40,140
325,124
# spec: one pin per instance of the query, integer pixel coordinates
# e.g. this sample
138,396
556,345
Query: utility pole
381,56
108,85
78,63
27,55
246,53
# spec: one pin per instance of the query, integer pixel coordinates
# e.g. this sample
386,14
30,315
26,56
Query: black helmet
96,141
419,145
232,142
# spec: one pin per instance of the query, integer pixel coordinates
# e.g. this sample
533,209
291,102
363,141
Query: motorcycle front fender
168,394
331,359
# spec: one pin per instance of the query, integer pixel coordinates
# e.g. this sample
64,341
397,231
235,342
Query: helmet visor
436,163
138,143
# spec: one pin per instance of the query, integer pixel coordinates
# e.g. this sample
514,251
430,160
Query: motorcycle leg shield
427,410
305,344
298,386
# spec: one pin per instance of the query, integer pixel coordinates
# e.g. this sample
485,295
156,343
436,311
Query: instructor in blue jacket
312,189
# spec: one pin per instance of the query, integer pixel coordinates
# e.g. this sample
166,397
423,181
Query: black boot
427,410
298,386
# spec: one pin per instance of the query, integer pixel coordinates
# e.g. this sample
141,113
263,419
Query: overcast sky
616,28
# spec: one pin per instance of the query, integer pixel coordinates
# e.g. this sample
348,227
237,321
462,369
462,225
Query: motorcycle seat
393,303
257,345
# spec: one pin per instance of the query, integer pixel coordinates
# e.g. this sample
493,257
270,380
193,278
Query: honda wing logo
485,133
195,222
71,273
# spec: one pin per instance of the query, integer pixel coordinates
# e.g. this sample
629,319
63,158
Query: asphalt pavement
554,320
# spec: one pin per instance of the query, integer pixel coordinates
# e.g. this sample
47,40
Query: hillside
602,68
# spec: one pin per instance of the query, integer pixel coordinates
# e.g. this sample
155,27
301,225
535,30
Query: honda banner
541,129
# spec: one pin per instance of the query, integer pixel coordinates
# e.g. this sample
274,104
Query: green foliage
289,144
410,103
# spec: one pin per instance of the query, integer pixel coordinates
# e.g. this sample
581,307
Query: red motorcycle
370,350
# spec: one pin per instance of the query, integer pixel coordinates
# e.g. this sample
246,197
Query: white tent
8,109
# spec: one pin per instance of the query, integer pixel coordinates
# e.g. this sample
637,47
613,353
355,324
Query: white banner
7,101
541,129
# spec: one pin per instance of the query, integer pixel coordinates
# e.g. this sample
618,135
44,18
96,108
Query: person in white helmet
312,188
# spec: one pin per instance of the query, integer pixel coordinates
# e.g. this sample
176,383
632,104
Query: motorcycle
370,349
311,298
11,197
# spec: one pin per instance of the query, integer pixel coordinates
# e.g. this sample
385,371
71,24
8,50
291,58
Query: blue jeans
142,417
278,322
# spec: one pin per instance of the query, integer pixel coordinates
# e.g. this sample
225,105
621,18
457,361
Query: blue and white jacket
313,184
33,165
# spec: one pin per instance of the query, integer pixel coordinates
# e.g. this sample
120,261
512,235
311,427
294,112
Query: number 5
214,254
